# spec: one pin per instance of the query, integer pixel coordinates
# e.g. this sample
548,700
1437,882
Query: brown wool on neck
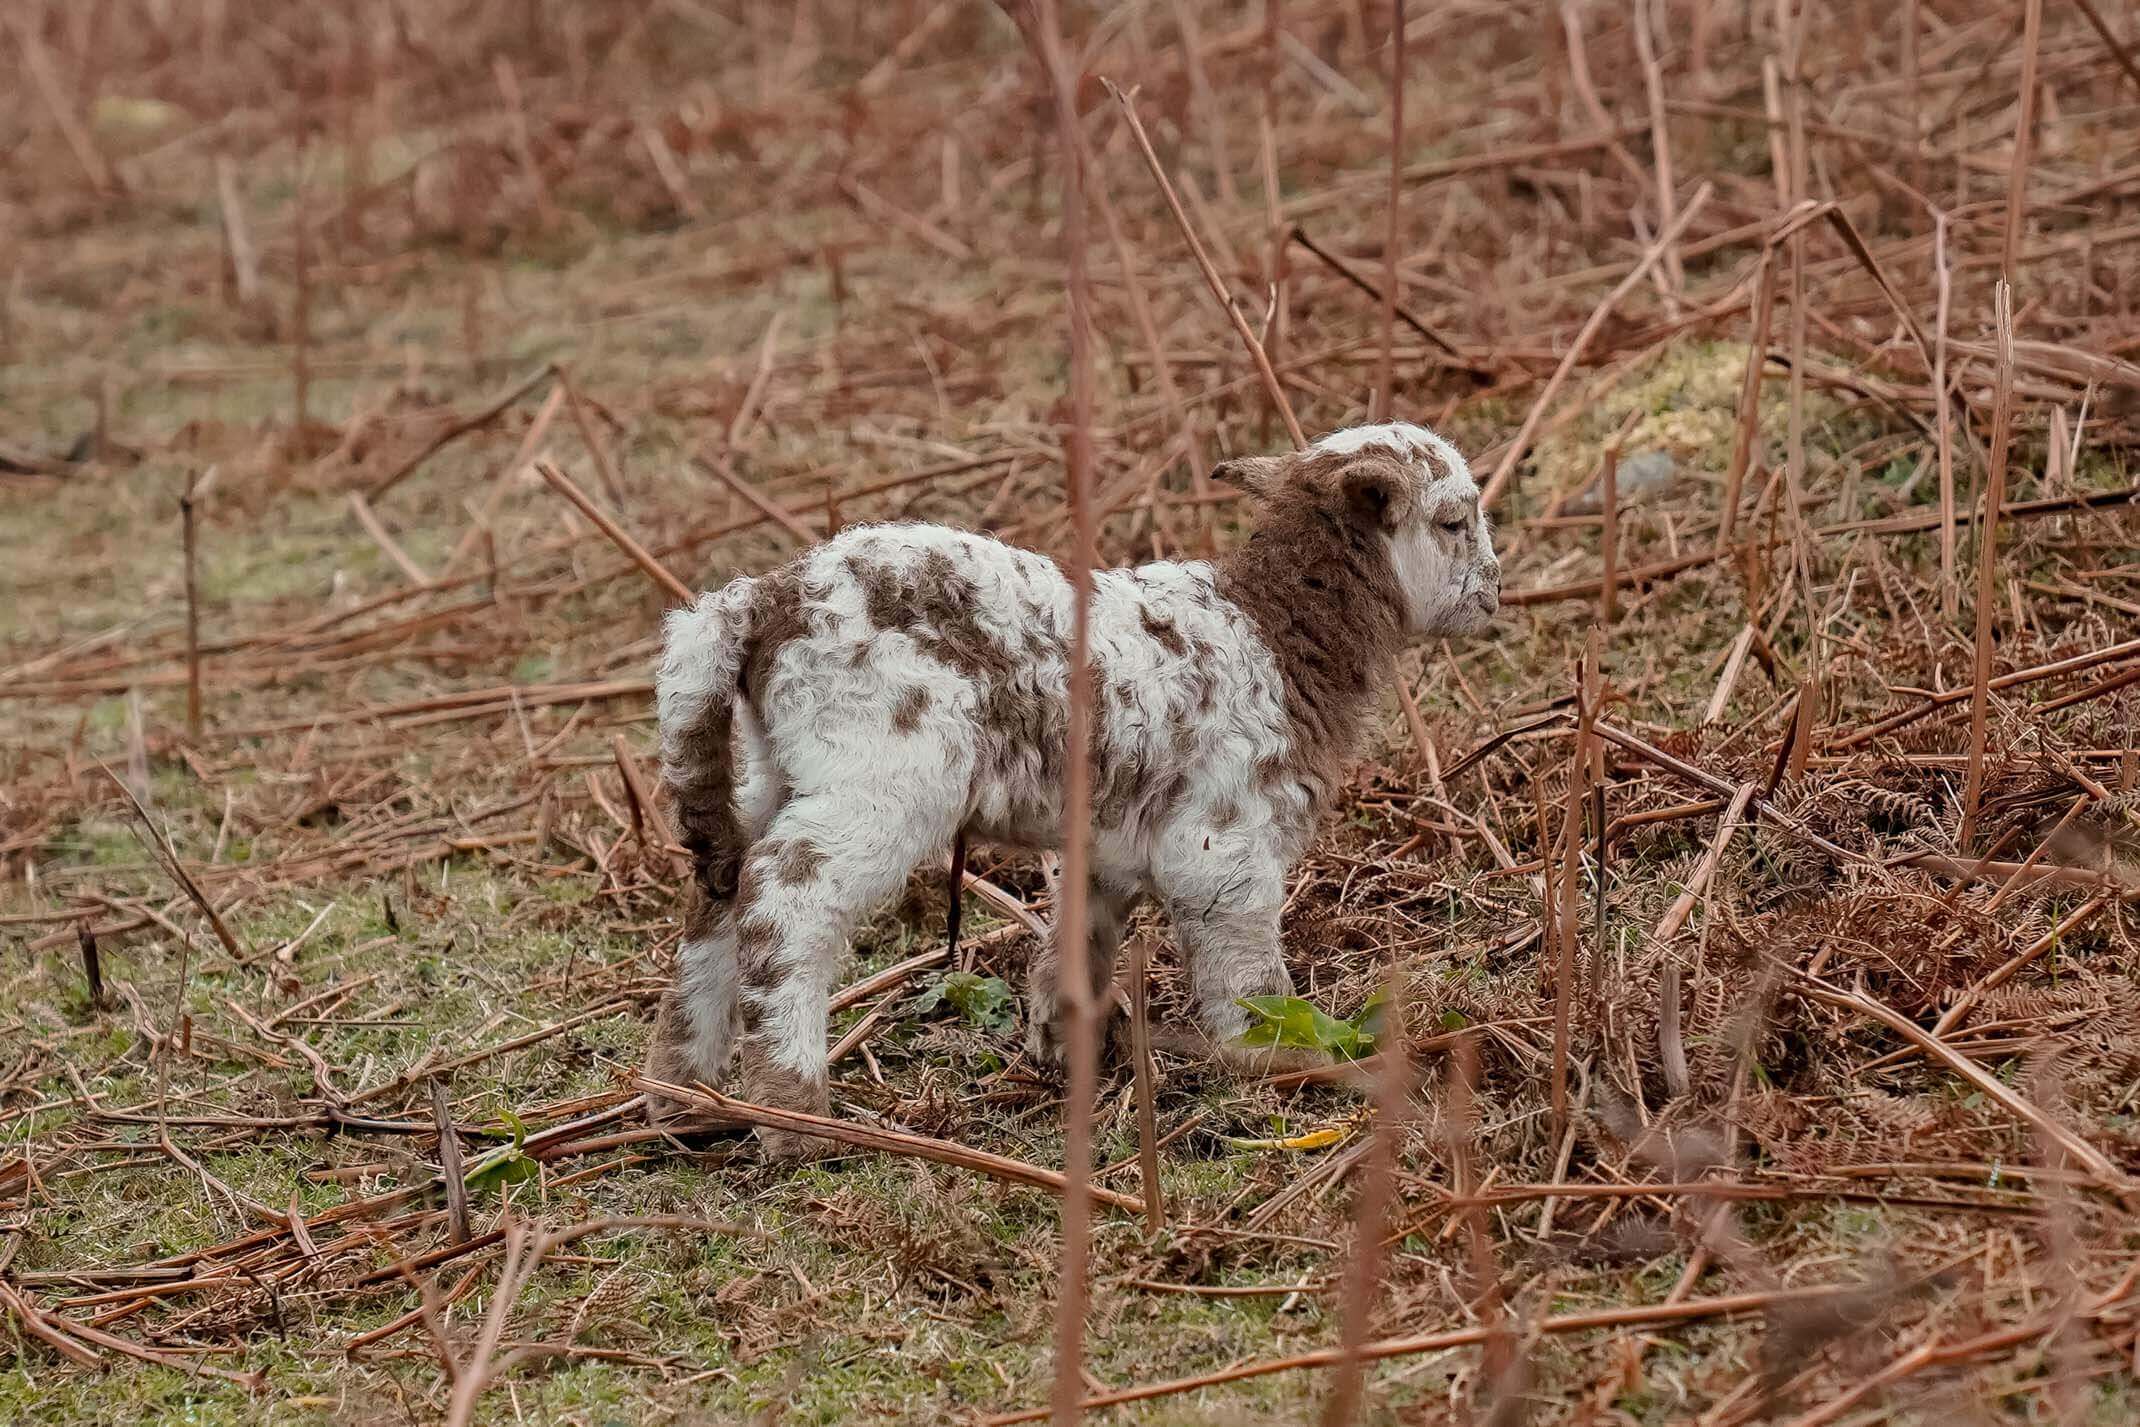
1320,591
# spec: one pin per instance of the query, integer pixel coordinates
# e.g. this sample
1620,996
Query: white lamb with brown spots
828,727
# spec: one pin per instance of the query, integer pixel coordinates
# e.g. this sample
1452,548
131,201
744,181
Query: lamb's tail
703,653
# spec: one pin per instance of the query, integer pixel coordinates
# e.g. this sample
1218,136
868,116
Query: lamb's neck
1323,598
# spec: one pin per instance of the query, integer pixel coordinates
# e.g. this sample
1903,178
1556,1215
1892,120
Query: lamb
830,725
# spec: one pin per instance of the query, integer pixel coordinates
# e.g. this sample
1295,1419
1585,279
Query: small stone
1642,474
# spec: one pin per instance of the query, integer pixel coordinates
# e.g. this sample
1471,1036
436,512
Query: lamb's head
1405,486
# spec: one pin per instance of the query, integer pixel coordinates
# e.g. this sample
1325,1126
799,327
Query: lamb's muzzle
831,725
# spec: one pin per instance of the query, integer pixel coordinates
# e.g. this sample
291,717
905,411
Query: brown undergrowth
1848,1120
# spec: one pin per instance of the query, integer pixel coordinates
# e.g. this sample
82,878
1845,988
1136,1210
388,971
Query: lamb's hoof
1045,1044
1047,1039
788,1147
666,1112
778,1088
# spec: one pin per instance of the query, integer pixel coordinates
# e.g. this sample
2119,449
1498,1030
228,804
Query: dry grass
1850,1104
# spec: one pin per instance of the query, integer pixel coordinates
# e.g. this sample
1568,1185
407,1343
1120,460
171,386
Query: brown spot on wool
797,862
906,714
882,591
1163,631
780,614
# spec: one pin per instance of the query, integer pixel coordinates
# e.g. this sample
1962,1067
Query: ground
810,258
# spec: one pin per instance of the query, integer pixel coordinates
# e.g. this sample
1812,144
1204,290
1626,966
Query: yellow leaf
116,114
1313,1140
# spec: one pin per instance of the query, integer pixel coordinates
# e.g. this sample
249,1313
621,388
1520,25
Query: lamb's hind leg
695,1029
826,862
695,1032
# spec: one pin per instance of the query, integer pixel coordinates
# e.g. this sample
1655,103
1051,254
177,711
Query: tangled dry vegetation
1764,961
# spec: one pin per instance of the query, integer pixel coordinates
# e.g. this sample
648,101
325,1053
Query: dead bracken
1759,1032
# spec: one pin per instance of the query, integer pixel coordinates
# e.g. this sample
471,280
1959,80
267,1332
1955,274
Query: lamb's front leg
1231,955
1225,918
1108,910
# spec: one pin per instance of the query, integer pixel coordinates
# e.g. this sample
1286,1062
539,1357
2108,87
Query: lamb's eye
1454,527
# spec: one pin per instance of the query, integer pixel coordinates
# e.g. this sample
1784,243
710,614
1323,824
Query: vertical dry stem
1386,385
1212,280
1988,558
186,516
1363,1271
1071,914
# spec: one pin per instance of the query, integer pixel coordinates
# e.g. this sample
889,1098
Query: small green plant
983,1000
508,1164
1297,1024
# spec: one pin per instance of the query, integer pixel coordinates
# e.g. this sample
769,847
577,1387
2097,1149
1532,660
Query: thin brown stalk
187,520
1987,604
388,545
33,1323
161,847
656,840
530,446
1649,1315
1212,280
1609,536
1386,384
1937,1354
718,464
1461,1119
1671,1034
761,377
1140,1040
524,1250
1642,19
1520,447
654,570
1913,71
1957,1013
1277,270
242,263
2099,1166
89,1333
301,315
1568,886
875,204
1081,999
612,488
451,1174
1209,109
1352,275
1949,584
2017,179
2041,850
1682,906
1363,1270
1571,23
1749,423
39,63
871,1137
1791,179
2118,51
454,431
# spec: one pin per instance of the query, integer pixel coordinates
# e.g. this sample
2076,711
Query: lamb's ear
1258,475
1376,496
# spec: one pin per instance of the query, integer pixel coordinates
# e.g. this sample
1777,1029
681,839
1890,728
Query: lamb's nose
1490,588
